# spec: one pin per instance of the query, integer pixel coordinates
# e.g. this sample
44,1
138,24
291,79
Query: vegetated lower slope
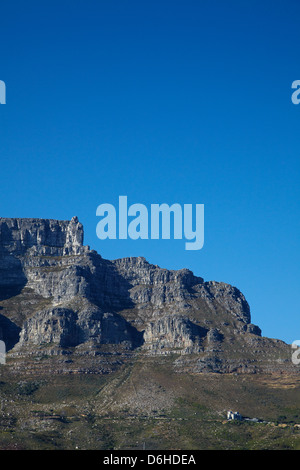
146,404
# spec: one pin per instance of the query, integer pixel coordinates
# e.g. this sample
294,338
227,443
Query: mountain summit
59,297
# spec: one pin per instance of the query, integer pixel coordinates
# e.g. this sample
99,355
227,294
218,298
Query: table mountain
60,297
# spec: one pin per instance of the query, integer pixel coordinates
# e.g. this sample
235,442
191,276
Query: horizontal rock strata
58,294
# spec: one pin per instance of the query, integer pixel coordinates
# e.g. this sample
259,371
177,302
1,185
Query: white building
234,415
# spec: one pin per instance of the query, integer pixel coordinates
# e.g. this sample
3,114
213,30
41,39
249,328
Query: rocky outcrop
41,237
57,293
171,333
66,327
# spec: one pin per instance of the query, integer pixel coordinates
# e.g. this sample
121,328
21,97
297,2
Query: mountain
60,297
123,354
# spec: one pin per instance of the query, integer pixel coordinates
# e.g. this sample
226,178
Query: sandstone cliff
56,293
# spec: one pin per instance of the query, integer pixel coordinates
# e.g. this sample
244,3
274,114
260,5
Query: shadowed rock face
9,332
56,291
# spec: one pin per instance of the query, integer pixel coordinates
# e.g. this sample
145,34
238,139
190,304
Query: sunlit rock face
57,293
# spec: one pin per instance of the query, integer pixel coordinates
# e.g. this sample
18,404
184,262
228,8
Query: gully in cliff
138,227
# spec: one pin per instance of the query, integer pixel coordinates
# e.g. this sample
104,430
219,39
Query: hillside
116,353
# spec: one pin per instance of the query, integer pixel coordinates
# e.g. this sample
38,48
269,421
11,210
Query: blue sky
165,102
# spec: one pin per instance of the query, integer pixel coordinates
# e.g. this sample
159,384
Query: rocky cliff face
58,294
41,237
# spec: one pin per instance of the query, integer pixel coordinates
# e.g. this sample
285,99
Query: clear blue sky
163,101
